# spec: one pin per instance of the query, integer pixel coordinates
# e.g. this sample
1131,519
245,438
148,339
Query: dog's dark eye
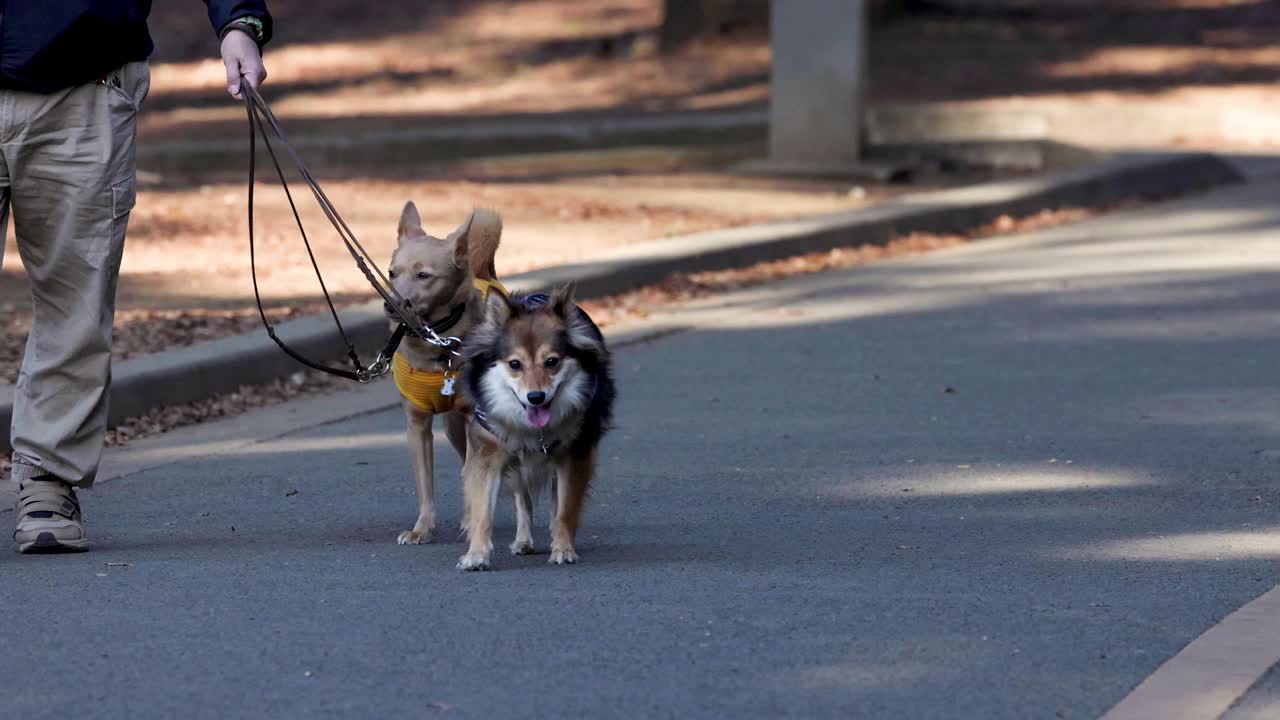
515,365
551,362
424,275
391,274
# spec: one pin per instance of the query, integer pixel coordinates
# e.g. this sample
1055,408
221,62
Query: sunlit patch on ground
861,675
1253,544
965,480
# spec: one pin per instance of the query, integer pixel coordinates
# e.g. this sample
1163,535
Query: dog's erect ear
497,309
582,334
462,243
562,301
410,221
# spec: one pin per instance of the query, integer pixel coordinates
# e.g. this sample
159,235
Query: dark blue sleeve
222,12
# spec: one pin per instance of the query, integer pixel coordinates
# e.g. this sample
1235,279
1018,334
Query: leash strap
260,118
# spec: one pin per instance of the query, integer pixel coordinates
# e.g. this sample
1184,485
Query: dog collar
483,420
446,323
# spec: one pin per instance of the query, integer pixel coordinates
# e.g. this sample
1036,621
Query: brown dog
445,282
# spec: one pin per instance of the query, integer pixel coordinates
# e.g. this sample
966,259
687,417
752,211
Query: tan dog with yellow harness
446,282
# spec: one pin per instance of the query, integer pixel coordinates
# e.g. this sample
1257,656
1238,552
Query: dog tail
484,232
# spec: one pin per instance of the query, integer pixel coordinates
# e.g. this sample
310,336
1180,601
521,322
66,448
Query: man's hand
243,58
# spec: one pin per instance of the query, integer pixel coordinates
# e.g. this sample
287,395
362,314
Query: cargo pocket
108,248
123,195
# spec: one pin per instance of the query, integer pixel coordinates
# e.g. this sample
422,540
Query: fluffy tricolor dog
538,375
445,281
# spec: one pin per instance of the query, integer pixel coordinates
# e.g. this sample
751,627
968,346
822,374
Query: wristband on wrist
249,25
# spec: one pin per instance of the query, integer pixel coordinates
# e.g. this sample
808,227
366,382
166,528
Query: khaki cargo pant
67,175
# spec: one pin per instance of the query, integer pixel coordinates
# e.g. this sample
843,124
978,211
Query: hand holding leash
243,60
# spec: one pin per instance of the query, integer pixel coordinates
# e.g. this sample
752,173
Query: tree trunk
684,20
885,10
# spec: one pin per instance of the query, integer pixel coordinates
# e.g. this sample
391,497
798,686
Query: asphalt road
1006,481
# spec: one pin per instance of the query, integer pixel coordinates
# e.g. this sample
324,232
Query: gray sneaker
48,514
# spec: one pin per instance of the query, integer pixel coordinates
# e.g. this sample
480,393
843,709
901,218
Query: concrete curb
1095,124
1109,125
1214,671
477,138
201,371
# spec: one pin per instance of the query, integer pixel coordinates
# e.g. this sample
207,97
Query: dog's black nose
537,398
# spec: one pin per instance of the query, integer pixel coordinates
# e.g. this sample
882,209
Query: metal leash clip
446,343
426,334
381,366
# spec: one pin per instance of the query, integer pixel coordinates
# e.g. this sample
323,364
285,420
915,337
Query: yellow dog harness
432,390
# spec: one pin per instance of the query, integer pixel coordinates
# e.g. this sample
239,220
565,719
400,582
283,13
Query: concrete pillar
818,81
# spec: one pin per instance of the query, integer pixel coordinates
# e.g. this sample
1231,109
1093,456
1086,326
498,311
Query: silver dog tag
447,390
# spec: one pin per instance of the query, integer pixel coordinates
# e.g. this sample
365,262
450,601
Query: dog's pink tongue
538,416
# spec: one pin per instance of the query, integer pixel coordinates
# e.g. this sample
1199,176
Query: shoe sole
46,544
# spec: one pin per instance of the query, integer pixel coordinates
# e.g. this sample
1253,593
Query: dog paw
563,557
522,547
413,537
474,561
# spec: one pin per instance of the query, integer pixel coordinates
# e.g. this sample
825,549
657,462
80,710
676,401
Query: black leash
261,118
